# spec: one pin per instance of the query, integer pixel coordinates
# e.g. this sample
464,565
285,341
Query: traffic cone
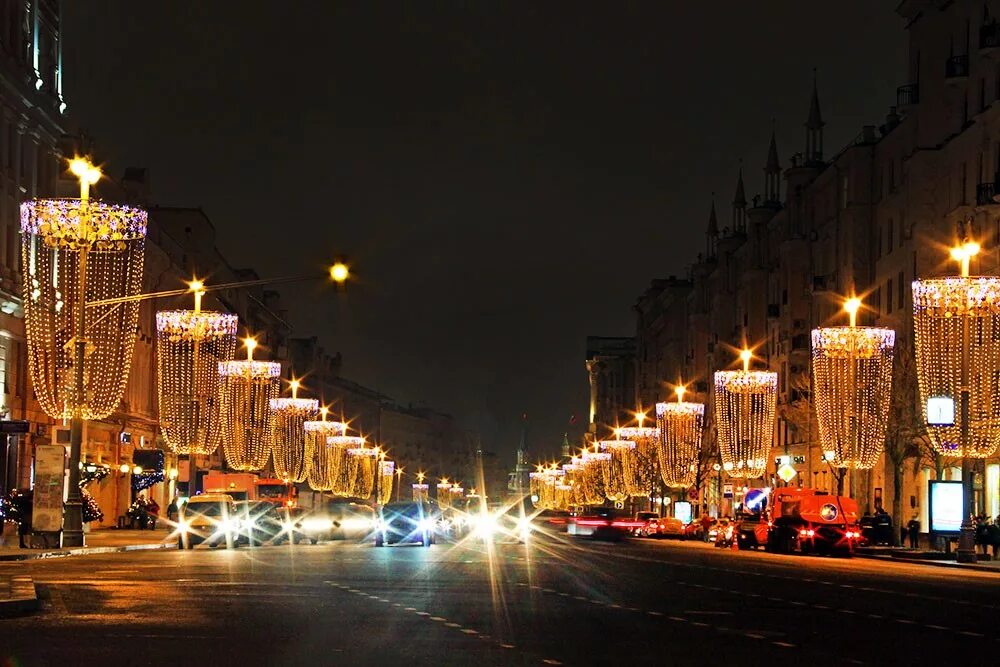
736,541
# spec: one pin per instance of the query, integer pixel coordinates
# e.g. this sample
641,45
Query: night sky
506,177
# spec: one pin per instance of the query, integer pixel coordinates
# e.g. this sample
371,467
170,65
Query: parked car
211,519
666,527
647,518
407,522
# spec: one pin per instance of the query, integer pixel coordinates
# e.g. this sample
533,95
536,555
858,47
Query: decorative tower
772,175
814,129
740,206
712,233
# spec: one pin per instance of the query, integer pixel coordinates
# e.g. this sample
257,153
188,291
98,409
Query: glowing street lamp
852,374
79,355
679,445
745,402
944,312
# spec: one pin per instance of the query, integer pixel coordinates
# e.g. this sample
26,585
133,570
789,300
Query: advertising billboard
946,506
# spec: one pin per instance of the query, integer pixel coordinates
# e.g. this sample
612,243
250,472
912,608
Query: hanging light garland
744,407
852,375
247,388
420,489
643,478
69,246
360,469
327,457
338,462
942,307
590,476
443,496
679,445
292,452
387,469
619,470
190,345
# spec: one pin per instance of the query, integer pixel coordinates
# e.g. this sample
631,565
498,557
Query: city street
559,601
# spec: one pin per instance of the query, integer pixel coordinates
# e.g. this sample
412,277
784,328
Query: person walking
706,524
913,530
172,510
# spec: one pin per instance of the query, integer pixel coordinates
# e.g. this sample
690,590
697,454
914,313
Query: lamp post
944,312
79,360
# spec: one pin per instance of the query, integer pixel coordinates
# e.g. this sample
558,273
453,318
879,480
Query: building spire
712,233
740,204
814,128
772,172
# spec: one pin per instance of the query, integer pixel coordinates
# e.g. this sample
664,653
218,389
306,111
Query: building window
901,286
888,240
888,297
982,95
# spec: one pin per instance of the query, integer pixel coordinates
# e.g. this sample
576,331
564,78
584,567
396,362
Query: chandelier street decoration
619,470
946,312
343,485
247,388
852,375
443,496
327,456
644,478
76,252
190,345
420,489
292,451
359,470
590,476
745,403
679,445
387,469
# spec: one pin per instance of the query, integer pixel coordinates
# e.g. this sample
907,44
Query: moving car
260,522
666,527
407,522
648,519
603,523
351,521
301,524
210,518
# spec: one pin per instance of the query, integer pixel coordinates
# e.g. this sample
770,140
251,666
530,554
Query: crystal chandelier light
644,477
327,456
292,454
942,307
590,476
619,469
744,408
359,469
852,376
679,446
190,345
338,461
76,250
420,489
247,388
387,469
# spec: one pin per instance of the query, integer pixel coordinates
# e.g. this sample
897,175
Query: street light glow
339,272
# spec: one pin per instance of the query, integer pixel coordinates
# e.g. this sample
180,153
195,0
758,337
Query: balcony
907,95
987,193
956,69
989,37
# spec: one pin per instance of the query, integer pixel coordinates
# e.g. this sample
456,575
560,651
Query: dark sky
505,176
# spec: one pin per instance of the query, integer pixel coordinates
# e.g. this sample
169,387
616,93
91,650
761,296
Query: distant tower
740,205
712,233
565,447
518,482
772,174
814,129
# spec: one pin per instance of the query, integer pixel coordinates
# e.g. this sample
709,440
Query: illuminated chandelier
942,309
644,476
852,375
246,390
360,470
443,497
70,247
387,469
619,470
744,408
420,490
681,426
292,451
190,345
338,461
327,457
590,476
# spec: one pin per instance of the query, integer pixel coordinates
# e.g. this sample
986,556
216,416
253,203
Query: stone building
866,220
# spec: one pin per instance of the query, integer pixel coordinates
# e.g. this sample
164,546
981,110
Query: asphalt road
557,601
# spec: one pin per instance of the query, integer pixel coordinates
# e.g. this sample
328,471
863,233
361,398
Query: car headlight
315,524
182,526
426,524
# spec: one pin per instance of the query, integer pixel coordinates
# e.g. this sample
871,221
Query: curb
86,551
933,563
23,597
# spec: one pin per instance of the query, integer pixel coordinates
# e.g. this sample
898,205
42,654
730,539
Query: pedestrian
706,524
913,528
994,535
172,510
152,513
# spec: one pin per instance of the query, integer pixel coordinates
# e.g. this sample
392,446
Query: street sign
940,411
47,500
14,426
727,490
787,473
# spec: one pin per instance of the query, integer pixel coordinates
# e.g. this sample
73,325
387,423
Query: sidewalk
924,557
103,541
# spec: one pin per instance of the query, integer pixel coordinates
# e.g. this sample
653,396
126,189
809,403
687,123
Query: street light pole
966,552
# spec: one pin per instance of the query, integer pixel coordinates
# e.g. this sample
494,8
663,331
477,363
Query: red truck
805,520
